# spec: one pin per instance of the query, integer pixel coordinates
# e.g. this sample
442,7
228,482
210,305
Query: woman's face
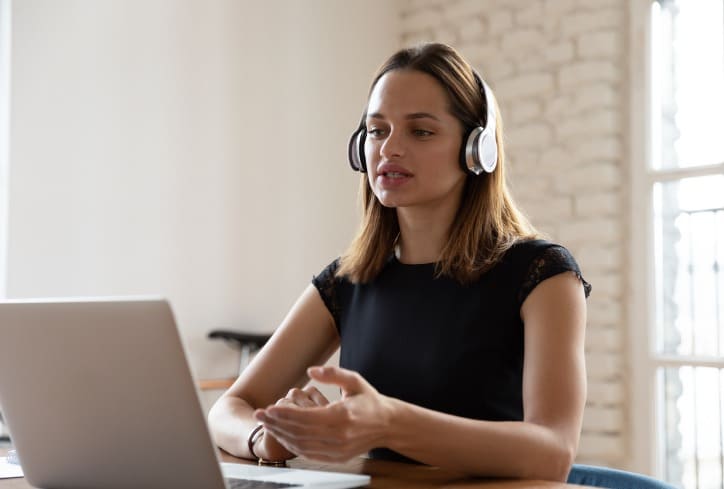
413,142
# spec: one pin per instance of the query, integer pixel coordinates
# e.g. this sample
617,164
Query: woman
434,304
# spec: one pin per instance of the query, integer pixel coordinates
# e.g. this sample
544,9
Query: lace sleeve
550,262
326,283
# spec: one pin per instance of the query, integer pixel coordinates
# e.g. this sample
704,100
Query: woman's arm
542,446
307,336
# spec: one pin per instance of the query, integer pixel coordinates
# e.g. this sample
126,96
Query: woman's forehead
401,92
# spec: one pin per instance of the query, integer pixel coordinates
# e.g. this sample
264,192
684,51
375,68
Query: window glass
689,233
692,406
687,79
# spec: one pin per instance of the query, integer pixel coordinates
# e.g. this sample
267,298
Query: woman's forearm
231,421
483,448
230,418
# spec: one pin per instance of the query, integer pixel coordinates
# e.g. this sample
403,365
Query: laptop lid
98,393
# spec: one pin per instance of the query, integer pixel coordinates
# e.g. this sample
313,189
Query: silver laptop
98,394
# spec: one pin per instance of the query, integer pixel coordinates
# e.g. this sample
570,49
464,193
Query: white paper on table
8,470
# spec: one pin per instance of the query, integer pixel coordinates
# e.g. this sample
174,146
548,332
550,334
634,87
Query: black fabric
438,344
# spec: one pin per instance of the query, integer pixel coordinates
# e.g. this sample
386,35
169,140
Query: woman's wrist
389,420
268,448
397,413
254,436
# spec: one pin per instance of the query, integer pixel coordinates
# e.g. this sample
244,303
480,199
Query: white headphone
481,149
479,153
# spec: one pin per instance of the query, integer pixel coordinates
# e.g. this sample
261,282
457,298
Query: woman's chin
390,199
391,203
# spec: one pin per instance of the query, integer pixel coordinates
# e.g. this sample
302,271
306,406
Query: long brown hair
487,222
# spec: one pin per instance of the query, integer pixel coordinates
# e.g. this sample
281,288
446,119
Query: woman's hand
331,432
307,397
268,447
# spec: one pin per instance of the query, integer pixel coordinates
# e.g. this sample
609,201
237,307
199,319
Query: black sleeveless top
436,343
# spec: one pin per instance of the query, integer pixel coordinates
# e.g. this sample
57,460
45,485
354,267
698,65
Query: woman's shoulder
327,279
330,269
530,247
328,284
525,251
536,260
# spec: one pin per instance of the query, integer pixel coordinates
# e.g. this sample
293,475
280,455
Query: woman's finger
316,446
290,428
308,447
333,415
316,396
300,398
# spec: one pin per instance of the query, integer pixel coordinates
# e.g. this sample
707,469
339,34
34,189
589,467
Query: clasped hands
305,423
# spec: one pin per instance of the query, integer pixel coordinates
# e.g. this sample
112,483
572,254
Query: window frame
646,421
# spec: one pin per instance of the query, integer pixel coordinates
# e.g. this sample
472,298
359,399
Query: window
678,241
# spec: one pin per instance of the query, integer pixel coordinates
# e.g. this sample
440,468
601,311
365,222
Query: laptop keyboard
251,484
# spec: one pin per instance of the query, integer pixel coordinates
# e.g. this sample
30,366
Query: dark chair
589,475
246,343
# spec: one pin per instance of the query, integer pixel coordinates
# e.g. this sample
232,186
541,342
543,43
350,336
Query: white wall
191,149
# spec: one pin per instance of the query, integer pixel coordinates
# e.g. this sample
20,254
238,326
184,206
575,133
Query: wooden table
385,475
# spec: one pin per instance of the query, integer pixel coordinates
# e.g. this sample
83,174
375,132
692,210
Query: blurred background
197,150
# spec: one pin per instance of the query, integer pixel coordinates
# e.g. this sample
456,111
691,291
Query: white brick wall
557,69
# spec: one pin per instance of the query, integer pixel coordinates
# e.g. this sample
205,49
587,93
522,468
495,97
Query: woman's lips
392,180
392,175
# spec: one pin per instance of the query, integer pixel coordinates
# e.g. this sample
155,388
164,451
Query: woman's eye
422,132
375,132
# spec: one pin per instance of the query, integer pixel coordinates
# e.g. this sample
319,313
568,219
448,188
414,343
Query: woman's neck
423,233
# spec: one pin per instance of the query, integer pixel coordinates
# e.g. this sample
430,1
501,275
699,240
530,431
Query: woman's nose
393,146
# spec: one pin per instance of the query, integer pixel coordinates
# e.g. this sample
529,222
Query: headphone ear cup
469,153
465,151
488,151
356,150
479,153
